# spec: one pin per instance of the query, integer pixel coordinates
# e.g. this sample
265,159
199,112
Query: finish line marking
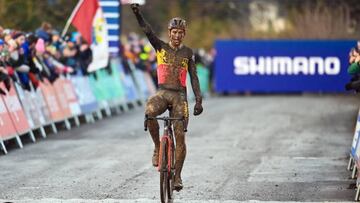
50,200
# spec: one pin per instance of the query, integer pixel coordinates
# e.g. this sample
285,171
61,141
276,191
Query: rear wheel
164,178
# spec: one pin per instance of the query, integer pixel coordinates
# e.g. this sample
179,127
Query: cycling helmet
178,23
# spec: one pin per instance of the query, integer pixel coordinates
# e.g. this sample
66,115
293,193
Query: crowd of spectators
28,58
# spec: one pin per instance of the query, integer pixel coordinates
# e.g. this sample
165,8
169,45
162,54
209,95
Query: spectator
44,31
69,54
85,56
354,56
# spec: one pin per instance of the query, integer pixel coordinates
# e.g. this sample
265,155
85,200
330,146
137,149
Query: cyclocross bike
166,165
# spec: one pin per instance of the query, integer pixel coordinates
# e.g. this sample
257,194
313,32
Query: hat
40,45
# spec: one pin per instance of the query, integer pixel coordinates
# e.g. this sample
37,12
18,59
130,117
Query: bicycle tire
172,172
164,181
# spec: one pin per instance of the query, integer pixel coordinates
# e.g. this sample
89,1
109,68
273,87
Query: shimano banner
282,65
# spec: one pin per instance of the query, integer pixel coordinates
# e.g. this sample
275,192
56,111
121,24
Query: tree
28,15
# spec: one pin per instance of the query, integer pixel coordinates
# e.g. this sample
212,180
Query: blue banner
282,65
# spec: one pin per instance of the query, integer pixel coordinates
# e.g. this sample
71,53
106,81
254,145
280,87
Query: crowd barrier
354,161
106,91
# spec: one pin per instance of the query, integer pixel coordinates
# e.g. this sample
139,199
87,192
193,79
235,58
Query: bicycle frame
169,138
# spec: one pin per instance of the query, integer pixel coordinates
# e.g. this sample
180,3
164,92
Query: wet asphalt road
266,148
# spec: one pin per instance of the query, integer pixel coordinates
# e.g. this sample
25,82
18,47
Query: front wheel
165,193
164,185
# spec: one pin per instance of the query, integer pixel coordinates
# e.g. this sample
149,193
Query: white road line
136,201
29,188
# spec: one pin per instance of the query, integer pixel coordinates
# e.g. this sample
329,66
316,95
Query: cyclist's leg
155,106
180,109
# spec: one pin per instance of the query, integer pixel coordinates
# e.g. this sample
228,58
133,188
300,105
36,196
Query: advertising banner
282,65
7,129
71,97
61,96
119,92
100,92
27,104
40,103
15,110
140,79
51,100
129,83
86,98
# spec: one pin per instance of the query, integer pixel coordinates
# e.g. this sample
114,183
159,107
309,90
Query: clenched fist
198,109
135,8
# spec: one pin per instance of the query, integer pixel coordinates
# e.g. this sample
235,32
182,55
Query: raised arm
195,86
153,39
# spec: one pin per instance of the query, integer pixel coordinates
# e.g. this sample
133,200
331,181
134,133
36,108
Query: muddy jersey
173,64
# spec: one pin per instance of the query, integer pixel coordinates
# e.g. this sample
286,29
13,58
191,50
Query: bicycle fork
169,144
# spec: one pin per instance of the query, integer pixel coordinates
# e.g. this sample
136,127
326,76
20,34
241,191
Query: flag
100,45
89,20
84,16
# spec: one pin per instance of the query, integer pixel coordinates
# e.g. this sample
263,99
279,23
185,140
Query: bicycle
166,165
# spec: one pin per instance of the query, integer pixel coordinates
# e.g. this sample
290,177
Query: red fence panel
15,110
7,129
51,101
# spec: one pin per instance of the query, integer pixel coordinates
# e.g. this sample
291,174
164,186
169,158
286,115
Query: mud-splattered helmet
178,23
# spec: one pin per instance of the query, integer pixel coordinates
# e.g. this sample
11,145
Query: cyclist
174,60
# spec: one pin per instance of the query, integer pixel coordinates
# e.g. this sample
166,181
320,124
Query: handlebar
164,118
